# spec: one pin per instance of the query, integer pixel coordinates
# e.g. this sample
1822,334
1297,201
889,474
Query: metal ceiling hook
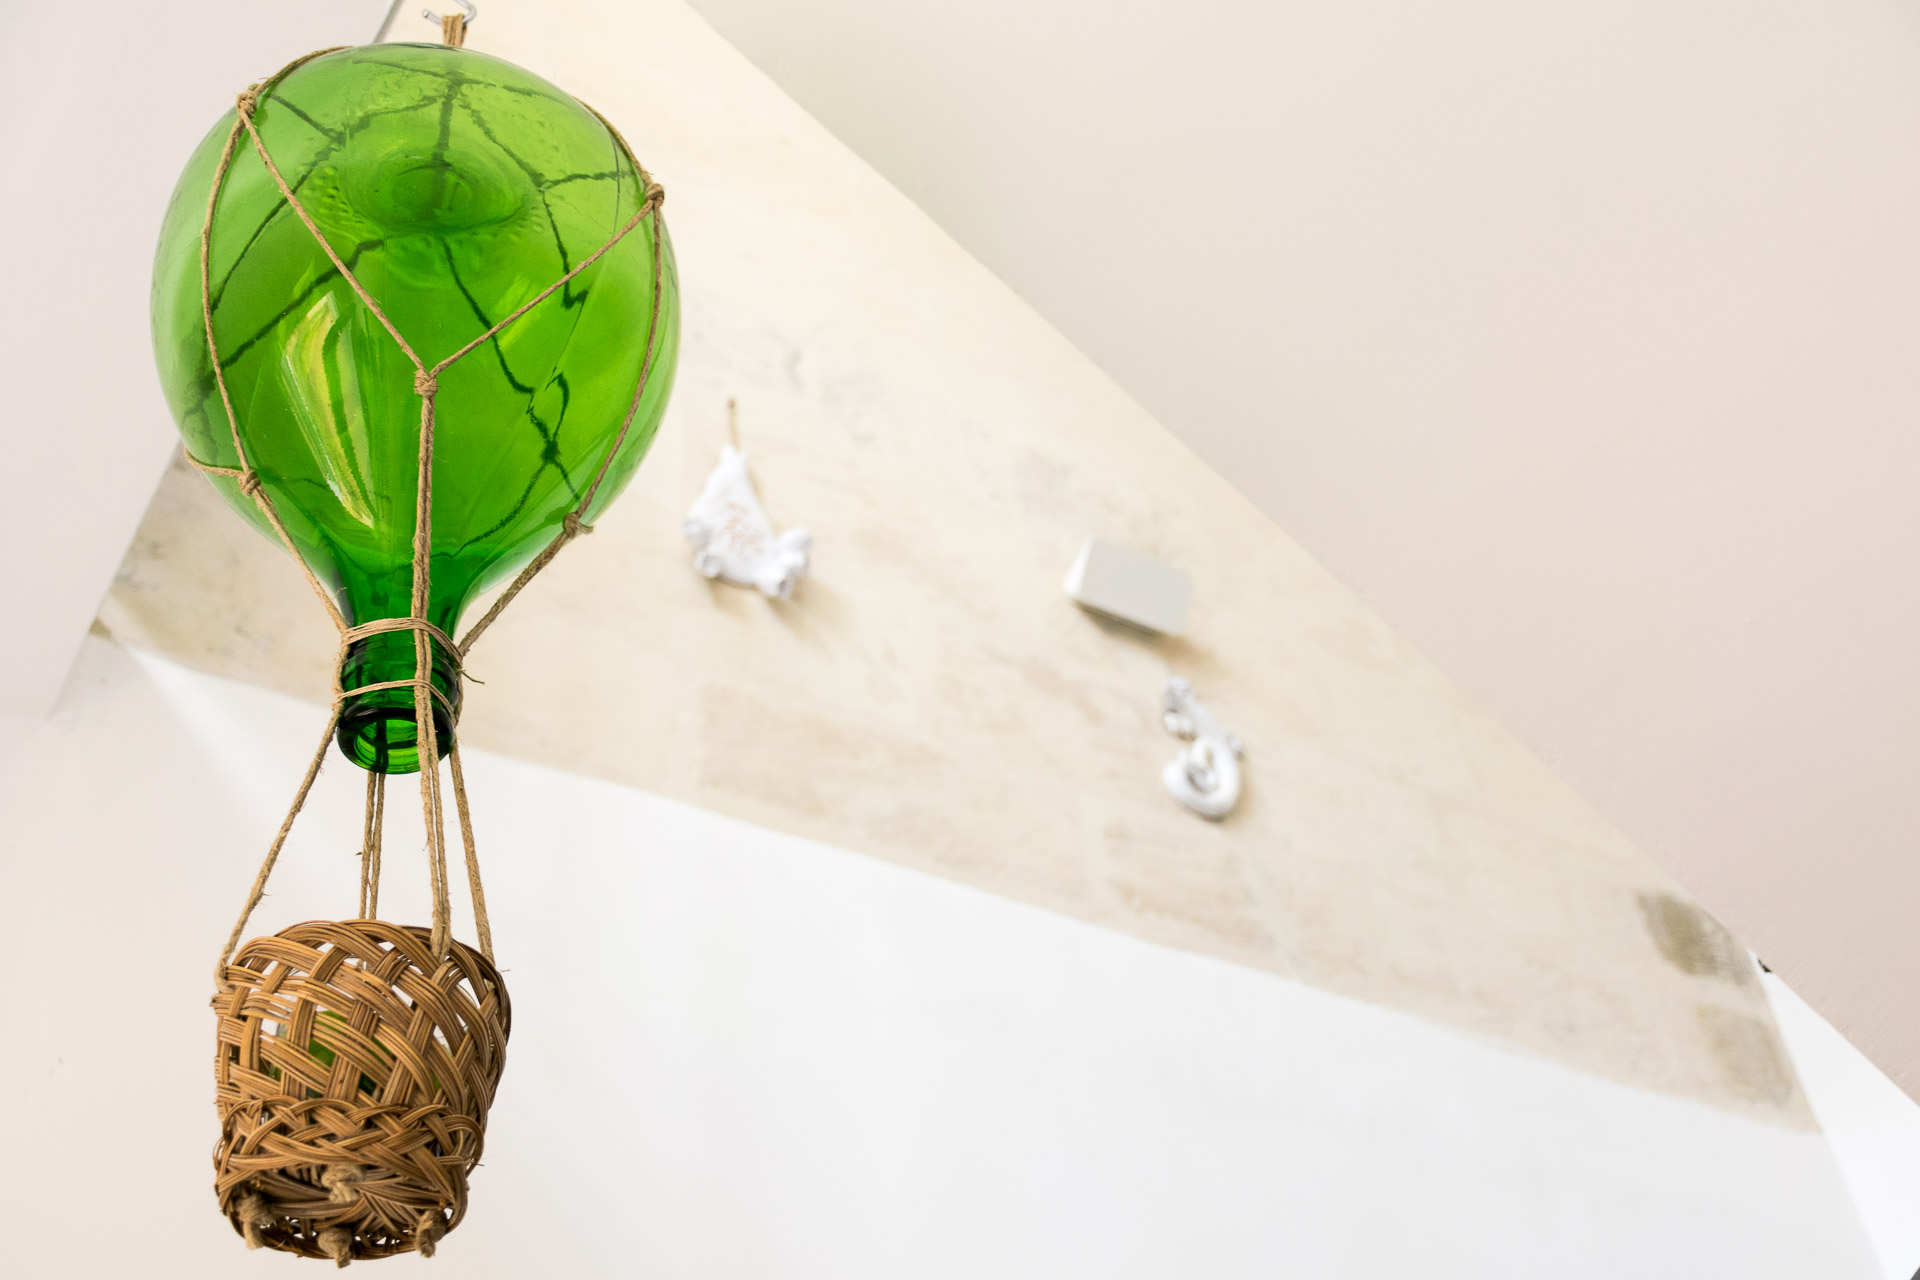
465,5
393,11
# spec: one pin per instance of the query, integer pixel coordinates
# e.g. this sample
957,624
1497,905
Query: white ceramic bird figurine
1205,776
733,540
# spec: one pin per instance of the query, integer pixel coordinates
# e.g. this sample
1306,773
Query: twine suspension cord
370,844
428,730
426,385
474,887
259,889
376,798
245,116
245,474
538,298
573,525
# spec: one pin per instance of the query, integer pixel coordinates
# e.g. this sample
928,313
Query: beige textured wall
929,697
1576,338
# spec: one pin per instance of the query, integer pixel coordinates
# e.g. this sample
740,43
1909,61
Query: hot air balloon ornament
416,314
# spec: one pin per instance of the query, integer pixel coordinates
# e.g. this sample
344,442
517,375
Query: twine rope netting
425,633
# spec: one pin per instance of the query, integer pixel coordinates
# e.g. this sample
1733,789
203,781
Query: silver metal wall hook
466,7
1205,776
393,11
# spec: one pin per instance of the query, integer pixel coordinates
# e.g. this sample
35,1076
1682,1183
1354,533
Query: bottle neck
378,729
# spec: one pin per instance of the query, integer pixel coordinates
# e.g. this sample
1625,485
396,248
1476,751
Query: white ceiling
1578,339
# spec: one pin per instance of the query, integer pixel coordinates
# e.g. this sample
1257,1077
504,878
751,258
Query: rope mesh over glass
356,1060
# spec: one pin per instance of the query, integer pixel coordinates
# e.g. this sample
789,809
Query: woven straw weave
353,1079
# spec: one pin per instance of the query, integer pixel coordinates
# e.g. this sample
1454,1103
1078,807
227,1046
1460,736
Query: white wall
743,1054
1576,338
1872,1127
99,107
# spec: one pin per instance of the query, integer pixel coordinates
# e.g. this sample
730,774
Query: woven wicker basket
354,1075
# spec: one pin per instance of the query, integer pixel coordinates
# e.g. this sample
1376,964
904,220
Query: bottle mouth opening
386,739
379,729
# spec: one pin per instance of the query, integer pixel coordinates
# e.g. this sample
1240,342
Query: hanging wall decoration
417,316
1205,776
733,540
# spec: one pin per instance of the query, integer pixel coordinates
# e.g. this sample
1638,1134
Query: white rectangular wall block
1122,583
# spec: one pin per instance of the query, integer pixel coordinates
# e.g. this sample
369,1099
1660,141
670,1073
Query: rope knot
250,482
342,1182
656,195
424,382
248,100
254,1215
574,525
337,1243
427,1232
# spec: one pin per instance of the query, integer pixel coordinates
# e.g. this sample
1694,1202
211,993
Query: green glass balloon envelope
455,188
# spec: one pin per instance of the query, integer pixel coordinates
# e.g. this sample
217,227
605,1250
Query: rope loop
250,482
424,383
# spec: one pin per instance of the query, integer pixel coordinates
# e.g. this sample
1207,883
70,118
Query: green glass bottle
455,187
